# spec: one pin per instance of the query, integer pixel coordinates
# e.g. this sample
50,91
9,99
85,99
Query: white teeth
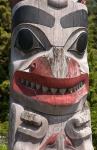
78,86
44,89
38,86
27,83
32,85
81,84
71,90
75,89
22,81
53,90
62,91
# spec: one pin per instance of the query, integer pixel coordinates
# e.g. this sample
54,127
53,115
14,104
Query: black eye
81,43
26,41
79,46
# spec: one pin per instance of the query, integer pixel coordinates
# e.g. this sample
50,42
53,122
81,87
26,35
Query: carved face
49,76
49,55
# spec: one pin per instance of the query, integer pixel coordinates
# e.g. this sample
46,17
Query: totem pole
49,76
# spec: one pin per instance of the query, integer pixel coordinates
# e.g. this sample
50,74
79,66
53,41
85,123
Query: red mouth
50,90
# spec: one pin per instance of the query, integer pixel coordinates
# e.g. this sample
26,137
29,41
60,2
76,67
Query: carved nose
58,62
53,64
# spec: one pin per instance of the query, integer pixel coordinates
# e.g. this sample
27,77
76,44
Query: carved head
49,51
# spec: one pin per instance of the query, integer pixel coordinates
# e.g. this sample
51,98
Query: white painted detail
62,91
44,89
54,90
38,86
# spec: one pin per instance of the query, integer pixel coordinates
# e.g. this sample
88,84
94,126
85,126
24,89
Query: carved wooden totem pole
49,76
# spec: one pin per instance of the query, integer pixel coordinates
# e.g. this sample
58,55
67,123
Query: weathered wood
49,76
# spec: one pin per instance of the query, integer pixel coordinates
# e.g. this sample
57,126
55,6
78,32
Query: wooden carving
49,76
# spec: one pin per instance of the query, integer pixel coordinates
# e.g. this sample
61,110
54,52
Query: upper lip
50,81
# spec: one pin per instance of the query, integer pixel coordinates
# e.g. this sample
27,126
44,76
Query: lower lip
67,99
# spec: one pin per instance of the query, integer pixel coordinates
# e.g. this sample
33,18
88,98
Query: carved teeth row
45,89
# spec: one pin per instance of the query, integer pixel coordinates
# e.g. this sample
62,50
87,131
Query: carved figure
49,76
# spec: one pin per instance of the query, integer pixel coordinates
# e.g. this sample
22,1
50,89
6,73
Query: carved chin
49,90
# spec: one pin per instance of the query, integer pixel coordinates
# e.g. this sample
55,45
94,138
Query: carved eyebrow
75,19
30,14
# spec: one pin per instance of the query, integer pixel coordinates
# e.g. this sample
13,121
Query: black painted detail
79,46
25,39
82,43
30,14
79,1
75,19
27,42
41,36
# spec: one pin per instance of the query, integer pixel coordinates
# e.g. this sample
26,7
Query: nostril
33,66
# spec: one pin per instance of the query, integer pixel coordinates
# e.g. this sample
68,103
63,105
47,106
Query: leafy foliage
5,26
3,147
92,48
5,33
4,128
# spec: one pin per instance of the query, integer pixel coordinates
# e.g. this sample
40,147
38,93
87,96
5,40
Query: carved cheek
41,66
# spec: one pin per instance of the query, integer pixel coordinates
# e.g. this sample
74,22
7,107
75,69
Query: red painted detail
50,141
58,99
50,82
73,68
41,66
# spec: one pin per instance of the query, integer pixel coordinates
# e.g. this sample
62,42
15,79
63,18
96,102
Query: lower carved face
49,55
40,79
